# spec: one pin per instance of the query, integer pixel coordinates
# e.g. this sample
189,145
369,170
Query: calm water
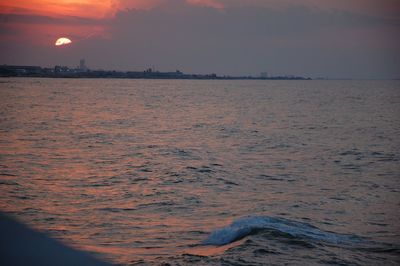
206,172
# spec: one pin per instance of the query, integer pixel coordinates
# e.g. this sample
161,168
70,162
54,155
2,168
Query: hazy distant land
83,72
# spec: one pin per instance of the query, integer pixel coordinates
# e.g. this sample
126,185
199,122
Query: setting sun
62,41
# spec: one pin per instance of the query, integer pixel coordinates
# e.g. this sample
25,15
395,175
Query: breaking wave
253,224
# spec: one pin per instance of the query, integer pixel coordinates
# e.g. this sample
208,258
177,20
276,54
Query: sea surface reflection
142,171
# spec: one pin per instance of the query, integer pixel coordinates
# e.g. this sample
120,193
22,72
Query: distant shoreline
65,72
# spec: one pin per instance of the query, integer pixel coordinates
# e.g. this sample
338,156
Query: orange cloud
57,8
87,8
40,22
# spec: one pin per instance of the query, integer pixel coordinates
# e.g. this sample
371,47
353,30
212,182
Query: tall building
82,65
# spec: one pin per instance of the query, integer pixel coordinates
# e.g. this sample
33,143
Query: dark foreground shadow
20,245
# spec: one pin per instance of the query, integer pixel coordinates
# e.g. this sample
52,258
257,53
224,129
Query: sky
312,38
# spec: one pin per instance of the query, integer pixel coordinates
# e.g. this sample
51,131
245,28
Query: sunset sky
338,39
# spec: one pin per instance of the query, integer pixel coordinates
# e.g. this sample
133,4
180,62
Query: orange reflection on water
207,250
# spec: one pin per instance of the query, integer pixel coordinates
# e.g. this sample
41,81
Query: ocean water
184,172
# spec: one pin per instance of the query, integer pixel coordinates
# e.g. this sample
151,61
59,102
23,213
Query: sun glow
62,41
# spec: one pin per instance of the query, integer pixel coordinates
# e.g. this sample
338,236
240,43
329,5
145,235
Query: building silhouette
82,66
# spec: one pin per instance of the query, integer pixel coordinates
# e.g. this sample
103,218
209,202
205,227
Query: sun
62,41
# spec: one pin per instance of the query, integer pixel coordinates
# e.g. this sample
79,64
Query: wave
250,225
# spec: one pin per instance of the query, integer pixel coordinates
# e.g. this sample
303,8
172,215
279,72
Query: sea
206,172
